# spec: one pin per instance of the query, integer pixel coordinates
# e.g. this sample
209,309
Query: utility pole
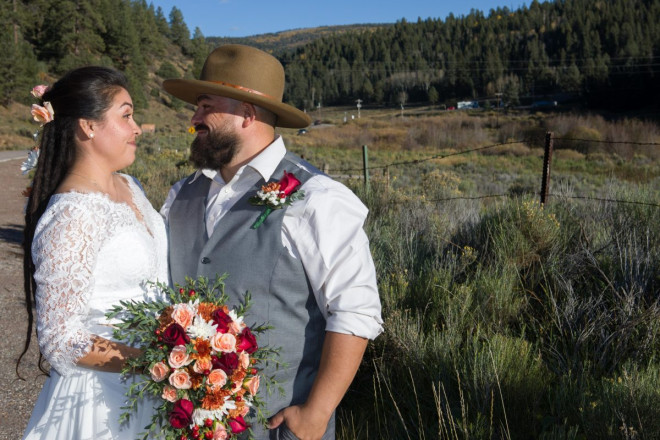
499,105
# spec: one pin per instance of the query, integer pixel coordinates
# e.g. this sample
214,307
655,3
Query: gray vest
256,262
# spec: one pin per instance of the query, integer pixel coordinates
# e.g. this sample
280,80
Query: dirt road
16,396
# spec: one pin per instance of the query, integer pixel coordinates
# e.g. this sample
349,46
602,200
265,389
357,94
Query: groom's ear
249,113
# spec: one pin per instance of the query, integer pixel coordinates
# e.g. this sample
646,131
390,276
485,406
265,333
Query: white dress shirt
324,230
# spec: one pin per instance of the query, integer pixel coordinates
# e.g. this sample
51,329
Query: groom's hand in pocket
303,422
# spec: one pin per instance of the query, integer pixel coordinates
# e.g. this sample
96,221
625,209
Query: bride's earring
91,135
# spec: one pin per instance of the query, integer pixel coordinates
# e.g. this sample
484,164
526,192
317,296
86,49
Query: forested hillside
603,53
594,52
41,39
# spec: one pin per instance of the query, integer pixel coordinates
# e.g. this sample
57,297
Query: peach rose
244,411
159,371
183,314
169,393
180,380
179,357
225,342
220,432
252,385
202,365
43,114
236,327
244,360
217,378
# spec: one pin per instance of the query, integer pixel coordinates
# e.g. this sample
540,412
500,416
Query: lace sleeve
64,252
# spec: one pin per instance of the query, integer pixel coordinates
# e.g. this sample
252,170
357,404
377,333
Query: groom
307,266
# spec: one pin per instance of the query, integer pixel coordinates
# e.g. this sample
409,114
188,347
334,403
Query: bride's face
115,136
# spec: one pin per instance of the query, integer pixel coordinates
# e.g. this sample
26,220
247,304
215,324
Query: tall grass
526,322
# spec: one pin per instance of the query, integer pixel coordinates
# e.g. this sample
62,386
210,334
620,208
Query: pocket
284,433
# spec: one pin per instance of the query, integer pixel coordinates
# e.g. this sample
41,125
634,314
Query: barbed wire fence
544,194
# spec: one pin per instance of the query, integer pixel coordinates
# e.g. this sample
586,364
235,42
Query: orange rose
252,385
159,371
179,357
180,380
224,342
169,393
217,378
183,314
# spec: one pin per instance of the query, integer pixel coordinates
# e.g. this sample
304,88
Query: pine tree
71,33
18,65
200,50
179,32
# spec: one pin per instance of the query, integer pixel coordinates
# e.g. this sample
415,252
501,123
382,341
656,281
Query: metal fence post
547,161
365,161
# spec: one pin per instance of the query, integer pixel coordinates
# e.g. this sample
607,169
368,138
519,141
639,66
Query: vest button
206,260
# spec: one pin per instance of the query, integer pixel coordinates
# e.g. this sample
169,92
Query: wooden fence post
365,161
547,161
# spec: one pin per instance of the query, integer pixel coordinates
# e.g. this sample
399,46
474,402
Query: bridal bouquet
200,361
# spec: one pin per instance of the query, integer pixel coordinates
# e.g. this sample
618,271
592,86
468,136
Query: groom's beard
215,150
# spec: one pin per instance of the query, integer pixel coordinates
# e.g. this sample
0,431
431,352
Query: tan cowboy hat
243,73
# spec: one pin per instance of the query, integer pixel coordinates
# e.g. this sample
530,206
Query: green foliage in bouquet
200,364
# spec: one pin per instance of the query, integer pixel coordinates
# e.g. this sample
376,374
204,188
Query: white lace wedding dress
89,253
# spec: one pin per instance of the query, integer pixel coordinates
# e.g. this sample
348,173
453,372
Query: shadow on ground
12,234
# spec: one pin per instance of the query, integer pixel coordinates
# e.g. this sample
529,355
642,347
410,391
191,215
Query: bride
92,239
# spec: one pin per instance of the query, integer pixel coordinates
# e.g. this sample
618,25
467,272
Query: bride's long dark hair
84,93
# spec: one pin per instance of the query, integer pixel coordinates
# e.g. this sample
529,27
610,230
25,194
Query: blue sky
240,18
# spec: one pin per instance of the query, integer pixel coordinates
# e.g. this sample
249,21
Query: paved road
17,397
9,155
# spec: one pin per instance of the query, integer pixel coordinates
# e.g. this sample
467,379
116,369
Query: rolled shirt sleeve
325,230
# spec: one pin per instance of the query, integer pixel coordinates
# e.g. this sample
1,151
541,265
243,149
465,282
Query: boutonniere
276,195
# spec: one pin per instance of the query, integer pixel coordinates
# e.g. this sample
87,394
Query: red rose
181,415
228,362
222,319
175,335
246,341
238,425
289,183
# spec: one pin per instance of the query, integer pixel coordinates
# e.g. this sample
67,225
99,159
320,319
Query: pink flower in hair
38,91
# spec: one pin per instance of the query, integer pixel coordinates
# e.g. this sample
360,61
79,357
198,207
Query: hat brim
189,89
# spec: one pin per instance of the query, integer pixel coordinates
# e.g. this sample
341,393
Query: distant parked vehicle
467,104
302,131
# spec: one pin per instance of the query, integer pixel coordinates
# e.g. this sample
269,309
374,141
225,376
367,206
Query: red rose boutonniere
276,195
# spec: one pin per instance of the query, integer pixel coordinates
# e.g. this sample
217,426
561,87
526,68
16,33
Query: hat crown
245,67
